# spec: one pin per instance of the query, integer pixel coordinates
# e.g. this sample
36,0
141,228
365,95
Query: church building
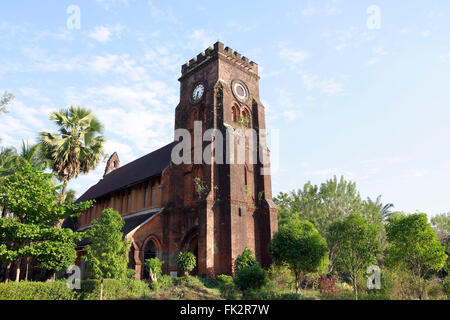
214,209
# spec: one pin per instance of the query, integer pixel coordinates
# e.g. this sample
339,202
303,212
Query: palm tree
9,160
385,211
31,154
8,163
77,148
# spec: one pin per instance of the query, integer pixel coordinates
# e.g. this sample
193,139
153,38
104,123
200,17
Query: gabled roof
132,223
134,172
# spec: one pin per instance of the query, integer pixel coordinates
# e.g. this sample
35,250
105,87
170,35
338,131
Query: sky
354,88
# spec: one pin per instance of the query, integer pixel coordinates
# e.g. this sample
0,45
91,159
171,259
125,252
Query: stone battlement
219,49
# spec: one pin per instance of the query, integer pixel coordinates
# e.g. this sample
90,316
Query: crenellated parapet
219,50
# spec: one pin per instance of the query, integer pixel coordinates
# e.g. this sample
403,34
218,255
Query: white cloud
103,34
327,85
293,55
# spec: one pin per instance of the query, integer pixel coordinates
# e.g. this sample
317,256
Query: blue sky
369,104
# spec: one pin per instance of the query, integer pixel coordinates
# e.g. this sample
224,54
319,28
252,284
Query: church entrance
150,251
191,245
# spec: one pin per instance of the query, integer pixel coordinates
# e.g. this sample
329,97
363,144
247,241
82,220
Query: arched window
234,112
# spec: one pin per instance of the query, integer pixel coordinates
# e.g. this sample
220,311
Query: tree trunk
8,268
297,282
101,289
26,268
61,200
355,287
18,262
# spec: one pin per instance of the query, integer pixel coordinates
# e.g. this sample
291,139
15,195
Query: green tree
299,245
413,247
4,101
186,262
32,199
8,162
77,148
441,224
354,244
31,154
251,278
245,259
106,256
335,199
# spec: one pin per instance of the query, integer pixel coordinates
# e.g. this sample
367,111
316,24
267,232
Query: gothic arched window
234,113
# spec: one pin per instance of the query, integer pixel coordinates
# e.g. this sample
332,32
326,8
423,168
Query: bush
245,259
227,287
189,282
27,290
114,289
131,274
281,278
186,262
328,287
254,277
446,286
153,266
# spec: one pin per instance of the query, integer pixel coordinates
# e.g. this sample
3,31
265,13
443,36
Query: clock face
197,94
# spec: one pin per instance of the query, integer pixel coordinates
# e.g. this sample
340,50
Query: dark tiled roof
139,170
130,224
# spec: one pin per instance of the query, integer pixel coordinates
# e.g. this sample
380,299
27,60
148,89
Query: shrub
254,277
186,262
153,266
281,278
327,287
114,289
446,286
227,287
166,281
245,259
189,282
131,274
26,290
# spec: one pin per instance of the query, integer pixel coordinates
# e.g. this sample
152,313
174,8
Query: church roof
132,222
134,172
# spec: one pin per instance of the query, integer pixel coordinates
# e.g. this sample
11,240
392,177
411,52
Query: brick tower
230,201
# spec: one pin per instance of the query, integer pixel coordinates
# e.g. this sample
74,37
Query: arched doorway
190,244
150,251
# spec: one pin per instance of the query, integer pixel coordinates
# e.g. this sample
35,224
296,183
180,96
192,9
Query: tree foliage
354,244
153,266
106,256
6,98
298,245
32,198
77,148
334,199
186,262
413,247
245,259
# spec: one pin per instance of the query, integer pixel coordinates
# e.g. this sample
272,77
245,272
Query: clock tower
227,193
